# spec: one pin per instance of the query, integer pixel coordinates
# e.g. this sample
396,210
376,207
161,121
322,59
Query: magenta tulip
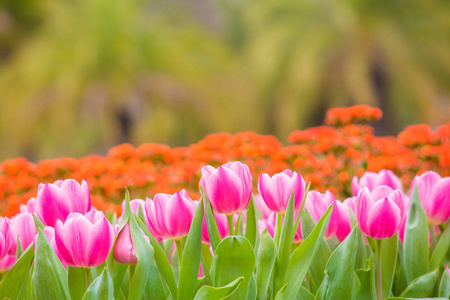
371,180
171,215
317,204
344,227
56,201
84,240
228,187
5,237
276,190
124,249
379,213
434,193
24,227
222,226
7,262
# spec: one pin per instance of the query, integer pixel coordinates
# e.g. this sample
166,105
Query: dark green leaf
251,227
77,282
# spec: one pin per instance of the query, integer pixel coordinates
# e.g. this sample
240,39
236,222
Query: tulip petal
384,219
225,191
381,192
425,185
99,240
178,216
363,204
440,199
76,231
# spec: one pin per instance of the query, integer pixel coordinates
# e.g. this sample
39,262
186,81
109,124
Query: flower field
338,213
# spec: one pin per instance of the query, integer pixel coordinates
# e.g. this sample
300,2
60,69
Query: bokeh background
77,77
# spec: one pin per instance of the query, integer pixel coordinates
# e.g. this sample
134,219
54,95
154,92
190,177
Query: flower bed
268,228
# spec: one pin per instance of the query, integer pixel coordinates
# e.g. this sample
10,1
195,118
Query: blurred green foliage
77,77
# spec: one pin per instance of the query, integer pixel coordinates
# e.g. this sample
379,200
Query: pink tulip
434,192
56,201
30,207
317,204
171,215
344,226
22,226
5,237
84,240
50,234
406,205
261,207
276,190
228,187
371,180
271,227
7,262
124,249
379,213
222,226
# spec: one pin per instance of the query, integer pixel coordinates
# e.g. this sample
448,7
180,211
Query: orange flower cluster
351,115
326,156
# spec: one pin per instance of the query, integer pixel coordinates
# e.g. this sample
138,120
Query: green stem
88,276
230,224
433,236
379,272
179,251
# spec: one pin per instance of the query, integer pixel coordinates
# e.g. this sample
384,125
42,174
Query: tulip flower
170,216
5,237
56,201
379,213
7,262
344,224
276,190
50,234
24,227
84,240
434,193
371,180
317,204
124,249
30,207
222,226
228,187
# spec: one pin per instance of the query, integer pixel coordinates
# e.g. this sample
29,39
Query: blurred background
77,77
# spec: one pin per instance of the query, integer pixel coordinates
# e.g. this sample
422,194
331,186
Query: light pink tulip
228,187
379,213
50,234
371,180
262,208
7,262
170,216
30,207
84,240
124,249
5,237
317,204
56,201
271,227
222,226
434,193
276,190
24,227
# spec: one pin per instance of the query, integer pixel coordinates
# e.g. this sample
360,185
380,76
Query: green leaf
284,246
144,254
441,249
444,285
341,279
101,288
238,228
77,282
304,294
216,293
302,257
267,253
38,223
297,220
16,278
281,292
365,280
422,286
415,243
206,261
49,279
211,224
234,258
155,287
190,261
388,260
251,227
401,298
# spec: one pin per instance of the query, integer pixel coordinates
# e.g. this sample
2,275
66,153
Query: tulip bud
56,201
124,249
84,240
228,187
277,190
